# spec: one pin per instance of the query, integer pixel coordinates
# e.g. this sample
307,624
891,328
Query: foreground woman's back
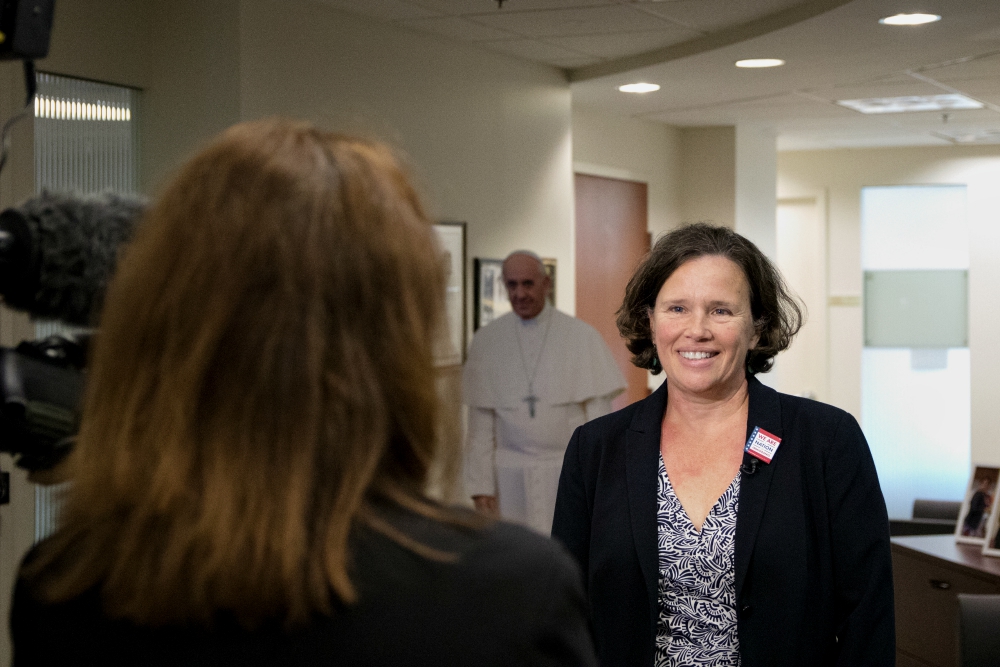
259,423
511,599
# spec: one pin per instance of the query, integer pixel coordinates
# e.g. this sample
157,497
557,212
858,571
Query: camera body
41,384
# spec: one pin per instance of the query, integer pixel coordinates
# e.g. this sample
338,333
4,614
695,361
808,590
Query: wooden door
611,240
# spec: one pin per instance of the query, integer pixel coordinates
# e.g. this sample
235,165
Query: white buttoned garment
510,453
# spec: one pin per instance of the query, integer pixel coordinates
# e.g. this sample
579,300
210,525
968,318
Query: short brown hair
262,380
776,315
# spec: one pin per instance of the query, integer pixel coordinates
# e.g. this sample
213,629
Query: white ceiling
834,49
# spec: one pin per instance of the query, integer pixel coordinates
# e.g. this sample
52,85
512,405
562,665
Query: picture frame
450,348
490,295
550,270
991,545
978,505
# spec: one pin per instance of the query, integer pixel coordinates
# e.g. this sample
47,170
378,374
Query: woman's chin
704,386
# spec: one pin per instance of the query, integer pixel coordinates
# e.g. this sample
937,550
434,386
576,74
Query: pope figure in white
532,376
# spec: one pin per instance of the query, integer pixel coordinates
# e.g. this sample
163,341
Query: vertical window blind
86,141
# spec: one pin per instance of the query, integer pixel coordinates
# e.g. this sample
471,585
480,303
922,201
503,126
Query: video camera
57,253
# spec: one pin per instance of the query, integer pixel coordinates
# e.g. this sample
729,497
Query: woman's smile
697,355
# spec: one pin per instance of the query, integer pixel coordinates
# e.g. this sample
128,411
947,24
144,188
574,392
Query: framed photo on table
450,349
992,545
978,505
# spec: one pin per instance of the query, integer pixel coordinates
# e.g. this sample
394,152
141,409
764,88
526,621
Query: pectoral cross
531,399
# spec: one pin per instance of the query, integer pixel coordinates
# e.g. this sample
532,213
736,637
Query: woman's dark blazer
512,597
813,568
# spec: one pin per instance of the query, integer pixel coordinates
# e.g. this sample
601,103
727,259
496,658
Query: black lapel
642,463
765,412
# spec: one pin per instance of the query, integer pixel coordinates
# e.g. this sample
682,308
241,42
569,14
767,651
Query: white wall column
757,187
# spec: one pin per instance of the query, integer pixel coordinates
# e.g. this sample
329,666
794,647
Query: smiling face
527,285
702,327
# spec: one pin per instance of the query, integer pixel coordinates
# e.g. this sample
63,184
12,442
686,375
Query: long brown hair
262,376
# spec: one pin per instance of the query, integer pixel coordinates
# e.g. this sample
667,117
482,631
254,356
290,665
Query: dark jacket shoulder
495,594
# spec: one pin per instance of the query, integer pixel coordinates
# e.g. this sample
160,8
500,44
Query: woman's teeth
697,355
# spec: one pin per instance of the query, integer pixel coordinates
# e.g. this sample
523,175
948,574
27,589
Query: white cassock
509,453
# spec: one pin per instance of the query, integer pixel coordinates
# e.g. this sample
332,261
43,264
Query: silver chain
541,351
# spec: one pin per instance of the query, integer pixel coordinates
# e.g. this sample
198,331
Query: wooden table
929,571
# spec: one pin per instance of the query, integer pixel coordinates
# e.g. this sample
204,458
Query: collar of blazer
642,464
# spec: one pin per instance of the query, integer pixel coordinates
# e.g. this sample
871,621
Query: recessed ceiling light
638,87
909,19
911,103
753,63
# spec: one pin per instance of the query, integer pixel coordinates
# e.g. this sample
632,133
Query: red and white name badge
762,444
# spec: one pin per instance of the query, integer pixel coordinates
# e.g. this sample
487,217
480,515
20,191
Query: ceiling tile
711,15
987,33
768,111
984,90
992,98
531,49
956,119
570,63
577,21
971,69
459,28
864,91
623,43
386,10
466,7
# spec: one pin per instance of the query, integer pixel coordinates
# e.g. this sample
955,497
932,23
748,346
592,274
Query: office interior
495,139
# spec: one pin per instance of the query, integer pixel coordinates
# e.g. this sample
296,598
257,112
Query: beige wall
633,150
708,175
756,186
191,90
837,177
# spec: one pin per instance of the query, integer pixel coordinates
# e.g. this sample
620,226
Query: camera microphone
58,251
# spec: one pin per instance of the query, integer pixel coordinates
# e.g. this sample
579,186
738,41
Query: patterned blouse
697,582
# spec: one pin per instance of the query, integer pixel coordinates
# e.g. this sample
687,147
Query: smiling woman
663,503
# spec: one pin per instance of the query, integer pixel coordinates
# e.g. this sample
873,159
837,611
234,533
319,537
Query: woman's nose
698,326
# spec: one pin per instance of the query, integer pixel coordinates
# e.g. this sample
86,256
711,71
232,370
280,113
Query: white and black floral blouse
697,582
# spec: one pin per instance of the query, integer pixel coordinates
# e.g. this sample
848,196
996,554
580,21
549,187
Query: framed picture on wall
978,505
450,349
490,295
550,270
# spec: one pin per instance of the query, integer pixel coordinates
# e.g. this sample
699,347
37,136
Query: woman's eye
675,309
723,311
